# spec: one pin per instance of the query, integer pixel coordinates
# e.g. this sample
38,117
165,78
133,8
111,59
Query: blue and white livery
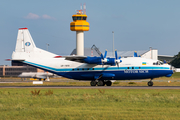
99,70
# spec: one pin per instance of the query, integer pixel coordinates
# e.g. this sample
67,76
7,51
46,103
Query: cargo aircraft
99,70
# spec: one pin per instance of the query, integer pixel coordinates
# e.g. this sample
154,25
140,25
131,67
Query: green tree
176,61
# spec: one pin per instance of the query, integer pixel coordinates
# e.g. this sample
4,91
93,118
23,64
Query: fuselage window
78,18
83,69
72,69
132,67
93,68
127,67
78,69
139,67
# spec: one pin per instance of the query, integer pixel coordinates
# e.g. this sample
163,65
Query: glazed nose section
172,68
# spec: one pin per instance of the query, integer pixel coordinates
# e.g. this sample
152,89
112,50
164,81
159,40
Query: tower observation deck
79,25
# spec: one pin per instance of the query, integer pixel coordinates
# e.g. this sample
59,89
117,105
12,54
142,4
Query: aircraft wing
41,76
76,58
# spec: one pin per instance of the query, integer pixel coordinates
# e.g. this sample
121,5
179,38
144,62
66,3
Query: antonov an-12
99,70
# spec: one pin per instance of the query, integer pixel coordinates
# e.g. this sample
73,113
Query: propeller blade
117,64
164,61
105,53
135,54
116,54
102,56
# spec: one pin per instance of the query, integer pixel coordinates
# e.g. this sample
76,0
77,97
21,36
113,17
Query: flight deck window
84,18
78,18
74,18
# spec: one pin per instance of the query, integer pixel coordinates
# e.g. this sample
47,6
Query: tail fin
24,42
26,48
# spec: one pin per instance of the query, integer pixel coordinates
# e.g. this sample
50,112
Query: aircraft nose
172,68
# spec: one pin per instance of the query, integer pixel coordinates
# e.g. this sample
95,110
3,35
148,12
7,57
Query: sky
137,25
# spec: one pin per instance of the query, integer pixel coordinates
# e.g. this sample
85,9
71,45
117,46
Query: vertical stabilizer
26,48
24,42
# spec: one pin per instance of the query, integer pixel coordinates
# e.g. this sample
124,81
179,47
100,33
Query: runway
96,87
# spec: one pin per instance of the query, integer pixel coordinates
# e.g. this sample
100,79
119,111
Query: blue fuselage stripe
118,73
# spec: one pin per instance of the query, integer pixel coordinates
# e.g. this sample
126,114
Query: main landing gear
100,83
150,83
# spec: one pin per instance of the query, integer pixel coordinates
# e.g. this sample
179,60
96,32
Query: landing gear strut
150,83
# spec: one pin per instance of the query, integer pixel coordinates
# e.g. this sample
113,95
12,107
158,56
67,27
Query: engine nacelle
100,61
93,60
110,61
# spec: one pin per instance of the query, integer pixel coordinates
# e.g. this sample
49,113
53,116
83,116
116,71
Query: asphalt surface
96,87
82,87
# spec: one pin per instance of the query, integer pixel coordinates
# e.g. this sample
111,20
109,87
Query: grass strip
90,104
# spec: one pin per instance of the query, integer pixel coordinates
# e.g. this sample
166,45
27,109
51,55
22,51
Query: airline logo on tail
27,43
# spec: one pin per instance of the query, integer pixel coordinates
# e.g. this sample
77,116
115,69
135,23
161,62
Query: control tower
79,25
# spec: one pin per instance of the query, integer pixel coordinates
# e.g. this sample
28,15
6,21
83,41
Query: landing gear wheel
150,83
100,83
108,83
93,83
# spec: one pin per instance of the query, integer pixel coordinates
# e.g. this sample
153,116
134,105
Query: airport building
16,69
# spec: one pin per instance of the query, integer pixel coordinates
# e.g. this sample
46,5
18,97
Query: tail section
26,48
24,42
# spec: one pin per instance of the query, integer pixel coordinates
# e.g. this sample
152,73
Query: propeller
103,58
135,54
117,60
164,61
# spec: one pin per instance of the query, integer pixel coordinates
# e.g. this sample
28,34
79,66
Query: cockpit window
158,63
161,63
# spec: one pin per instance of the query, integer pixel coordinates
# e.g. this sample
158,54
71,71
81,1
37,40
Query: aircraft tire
108,83
150,83
93,83
100,83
